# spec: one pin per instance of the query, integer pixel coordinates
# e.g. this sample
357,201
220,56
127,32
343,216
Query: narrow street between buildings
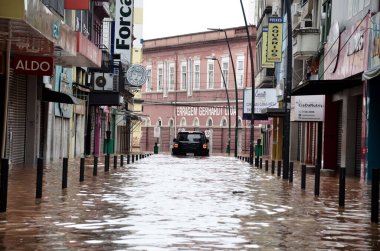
164,202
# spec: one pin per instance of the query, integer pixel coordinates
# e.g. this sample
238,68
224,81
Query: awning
58,97
370,74
324,87
274,112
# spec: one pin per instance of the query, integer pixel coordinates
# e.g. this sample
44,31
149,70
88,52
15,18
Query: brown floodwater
173,203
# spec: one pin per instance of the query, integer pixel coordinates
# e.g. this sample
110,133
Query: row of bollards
342,181
40,173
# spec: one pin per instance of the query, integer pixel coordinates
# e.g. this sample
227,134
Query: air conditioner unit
103,81
306,23
296,9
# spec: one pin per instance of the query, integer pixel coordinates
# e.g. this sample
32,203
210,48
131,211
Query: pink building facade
185,89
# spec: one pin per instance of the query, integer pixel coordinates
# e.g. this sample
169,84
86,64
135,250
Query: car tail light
204,146
175,145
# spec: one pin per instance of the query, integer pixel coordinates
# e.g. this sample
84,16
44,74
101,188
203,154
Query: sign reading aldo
31,65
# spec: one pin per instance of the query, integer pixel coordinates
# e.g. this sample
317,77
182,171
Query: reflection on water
170,203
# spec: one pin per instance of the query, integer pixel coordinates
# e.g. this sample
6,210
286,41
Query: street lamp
253,88
228,104
236,91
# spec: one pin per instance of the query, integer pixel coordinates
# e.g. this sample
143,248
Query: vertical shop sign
274,39
264,50
123,30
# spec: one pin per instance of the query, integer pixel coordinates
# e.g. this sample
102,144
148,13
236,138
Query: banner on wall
274,39
264,50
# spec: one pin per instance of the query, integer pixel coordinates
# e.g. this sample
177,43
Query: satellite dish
100,81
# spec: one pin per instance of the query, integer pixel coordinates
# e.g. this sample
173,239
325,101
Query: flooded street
175,203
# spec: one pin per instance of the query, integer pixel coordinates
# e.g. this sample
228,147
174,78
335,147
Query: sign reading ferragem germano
33,65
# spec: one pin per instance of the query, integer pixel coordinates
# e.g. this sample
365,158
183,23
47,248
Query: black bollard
4,185
133,158
303,177
64,172
266,165
121,160
81,170
95,170
342,186
128,158
375,196
261,163
107,163
272,167
291,165
115,161
317,179
137,157
279,168
40,173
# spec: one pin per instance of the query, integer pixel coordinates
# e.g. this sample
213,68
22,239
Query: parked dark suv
190,143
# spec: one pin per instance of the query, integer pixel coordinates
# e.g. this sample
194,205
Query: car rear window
191,137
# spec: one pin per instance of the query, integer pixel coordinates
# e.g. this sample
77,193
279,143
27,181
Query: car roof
191,132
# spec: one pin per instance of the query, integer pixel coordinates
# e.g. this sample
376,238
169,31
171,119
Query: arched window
171,122
209,122
159,122
196,122
223,122
183,122
240,123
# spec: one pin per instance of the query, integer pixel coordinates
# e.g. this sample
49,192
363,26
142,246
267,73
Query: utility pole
288,87
251,142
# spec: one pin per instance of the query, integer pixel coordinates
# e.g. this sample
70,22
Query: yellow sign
12,9
264,50
274,39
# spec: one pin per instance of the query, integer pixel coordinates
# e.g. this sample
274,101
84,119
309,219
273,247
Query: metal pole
288,86
251,152
40,174
303,177
236,96
236,90
229,109
375,196
64,172
4,185
81,170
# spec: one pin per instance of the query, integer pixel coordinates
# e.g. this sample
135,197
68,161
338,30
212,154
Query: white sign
157,132
136,75
307,108
123,29
264,98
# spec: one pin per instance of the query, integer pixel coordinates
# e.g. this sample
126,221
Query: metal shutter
16,118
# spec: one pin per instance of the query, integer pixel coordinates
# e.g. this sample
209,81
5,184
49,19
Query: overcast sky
163,18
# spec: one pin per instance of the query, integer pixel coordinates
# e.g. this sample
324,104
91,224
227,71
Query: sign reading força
32,65
123,29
